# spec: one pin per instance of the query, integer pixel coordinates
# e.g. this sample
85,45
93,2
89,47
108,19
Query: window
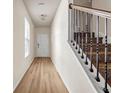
27,37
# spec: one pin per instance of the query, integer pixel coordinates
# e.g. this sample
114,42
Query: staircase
101,51
84,30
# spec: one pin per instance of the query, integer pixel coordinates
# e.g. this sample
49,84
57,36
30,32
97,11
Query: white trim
92,11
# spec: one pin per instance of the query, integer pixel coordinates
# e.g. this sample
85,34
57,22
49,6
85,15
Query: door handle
38,45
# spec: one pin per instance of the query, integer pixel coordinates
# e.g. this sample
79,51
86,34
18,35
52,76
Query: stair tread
99,53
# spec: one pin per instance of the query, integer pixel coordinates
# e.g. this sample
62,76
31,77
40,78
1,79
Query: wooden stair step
102,71
101,57
94,40
100,53
102,65
101,47
83,34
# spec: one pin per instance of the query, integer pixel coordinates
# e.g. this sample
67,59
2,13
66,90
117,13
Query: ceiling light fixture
43,15
41,3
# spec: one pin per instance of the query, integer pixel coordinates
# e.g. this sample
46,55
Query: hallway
41,77
44,58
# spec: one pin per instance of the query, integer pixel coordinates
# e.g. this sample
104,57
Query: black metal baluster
86,38
69,30
106,50
91,46
97,50
82,56
70,25
79,28
76,30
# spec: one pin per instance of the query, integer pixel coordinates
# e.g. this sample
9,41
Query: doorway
42,49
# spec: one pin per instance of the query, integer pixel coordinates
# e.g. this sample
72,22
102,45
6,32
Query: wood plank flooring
41,77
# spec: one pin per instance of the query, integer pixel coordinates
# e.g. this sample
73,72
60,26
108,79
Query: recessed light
41,3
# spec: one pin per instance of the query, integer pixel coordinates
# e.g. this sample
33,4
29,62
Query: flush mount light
43,15
41,3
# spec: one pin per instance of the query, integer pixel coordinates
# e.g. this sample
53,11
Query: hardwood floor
41,77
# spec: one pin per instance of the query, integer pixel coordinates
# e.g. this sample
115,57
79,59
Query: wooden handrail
94,11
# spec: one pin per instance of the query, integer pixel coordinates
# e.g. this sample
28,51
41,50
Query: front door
42,45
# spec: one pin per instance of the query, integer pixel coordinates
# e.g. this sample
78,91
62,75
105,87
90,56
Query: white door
42,45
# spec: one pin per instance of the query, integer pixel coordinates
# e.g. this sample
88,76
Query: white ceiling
36,10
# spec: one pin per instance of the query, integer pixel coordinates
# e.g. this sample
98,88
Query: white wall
83,2
43,30
21,64
104,5
63,57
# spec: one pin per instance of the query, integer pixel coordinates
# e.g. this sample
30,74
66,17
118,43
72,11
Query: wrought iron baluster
106,50
79,30
86,38
69,30
74,36
97,50
70,26
76,30
91,46
82,55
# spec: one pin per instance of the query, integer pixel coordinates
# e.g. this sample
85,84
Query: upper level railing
84,34
90,10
